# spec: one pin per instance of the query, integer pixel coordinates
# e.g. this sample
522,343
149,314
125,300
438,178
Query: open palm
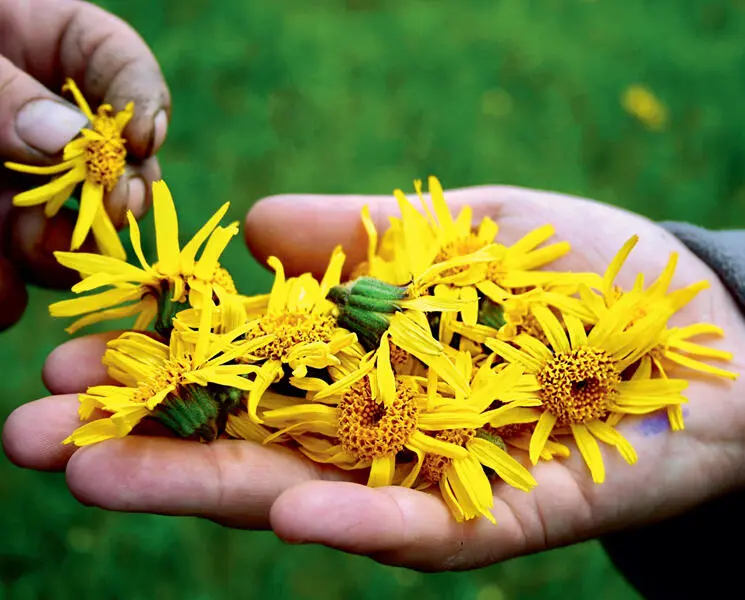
242,484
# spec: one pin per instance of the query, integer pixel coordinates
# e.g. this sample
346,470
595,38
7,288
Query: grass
276,96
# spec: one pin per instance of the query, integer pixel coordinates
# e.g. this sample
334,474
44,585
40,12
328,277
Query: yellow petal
205,267
189,253
278,295
615,265
508,469
45,170
95,302
134,237
385,377
90,202
106,237
382,470
551,326
71,87
166,229
538,440
48,191
609,435
590,451
269,372
431,445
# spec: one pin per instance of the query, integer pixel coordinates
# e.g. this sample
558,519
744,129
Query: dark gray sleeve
657,559
723,251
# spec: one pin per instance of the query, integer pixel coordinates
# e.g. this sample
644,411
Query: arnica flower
176,281
97,160
189,386
462,481
369,432
422,247
299,328
581,378
673,345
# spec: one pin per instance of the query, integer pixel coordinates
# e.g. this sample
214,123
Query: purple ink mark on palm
657,424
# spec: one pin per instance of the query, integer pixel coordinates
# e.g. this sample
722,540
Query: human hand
243,484
41,43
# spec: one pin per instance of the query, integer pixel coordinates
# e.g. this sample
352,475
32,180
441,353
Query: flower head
97,160
433,246
581,378
177,280
187,385
673,345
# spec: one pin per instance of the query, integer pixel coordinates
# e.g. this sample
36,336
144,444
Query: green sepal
491,314
492,438
167,310
374,288
369,326
195,410
377,305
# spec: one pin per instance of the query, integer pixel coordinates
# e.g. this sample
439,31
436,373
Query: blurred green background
274,96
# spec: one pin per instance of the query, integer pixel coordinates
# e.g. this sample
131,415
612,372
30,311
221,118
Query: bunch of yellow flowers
448,359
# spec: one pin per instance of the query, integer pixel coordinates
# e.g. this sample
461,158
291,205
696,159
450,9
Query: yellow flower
673,345
462,481
298,326
167,382
641,103
176,280
580,378
366,431
434,248
97,160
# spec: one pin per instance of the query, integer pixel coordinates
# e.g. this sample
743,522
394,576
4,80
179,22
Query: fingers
76,365
133,192
399,526
33,433
13,294
229,481
110,62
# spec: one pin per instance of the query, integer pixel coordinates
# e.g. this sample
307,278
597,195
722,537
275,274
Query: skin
242,484
41,43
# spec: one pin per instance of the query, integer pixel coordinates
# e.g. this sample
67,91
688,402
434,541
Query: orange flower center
170,374
291,329
579,386
106,157
434,465
369,429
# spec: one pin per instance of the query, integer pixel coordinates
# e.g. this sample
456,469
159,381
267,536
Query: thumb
35,124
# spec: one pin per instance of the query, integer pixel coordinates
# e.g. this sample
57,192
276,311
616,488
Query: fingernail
136,196
160,128
48,125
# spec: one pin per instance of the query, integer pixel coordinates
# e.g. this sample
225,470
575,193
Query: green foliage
275,96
